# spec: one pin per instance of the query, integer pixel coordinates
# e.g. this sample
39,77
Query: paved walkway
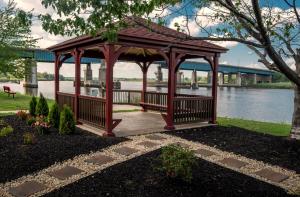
69,171
140,123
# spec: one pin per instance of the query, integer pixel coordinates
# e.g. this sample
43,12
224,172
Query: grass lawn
20,102
276,129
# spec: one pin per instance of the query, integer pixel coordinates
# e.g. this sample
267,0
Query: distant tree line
44,76
279,77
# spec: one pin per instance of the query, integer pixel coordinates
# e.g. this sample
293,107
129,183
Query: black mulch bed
138,177
17,159
279,151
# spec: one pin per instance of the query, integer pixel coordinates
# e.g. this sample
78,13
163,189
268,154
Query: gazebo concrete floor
138,123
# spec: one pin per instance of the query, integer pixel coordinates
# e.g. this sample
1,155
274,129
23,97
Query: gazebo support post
145,71
77,56
215,88
171,91
109,58
56,76
144,67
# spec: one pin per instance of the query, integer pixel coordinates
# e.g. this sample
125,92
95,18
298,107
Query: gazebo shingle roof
137,29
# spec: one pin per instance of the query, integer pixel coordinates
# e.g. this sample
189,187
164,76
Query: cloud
226,44
32,5
205,16
159,13
190,28
256,65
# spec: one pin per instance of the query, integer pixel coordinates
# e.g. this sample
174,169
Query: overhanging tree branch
278,61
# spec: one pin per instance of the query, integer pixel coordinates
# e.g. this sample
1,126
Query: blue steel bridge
41,55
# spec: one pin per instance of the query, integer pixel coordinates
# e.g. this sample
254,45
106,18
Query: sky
238,54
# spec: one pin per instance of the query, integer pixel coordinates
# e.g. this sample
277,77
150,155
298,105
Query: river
273,105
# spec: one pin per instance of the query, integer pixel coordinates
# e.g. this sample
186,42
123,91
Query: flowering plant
22,114
42,125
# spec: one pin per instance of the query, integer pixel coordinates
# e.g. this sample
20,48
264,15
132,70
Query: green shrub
31,121
28,138
5,131
67,122
177,162
32,106
54,116
42,108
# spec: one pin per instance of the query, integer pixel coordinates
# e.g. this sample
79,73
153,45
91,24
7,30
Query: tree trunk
295,132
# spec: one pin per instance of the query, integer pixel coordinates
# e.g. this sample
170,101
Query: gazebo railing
91,110
187,108
192,109
130,97
66,99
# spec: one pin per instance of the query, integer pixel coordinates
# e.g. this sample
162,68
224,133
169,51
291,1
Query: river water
273,105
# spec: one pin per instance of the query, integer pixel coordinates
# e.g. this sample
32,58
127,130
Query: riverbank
279,85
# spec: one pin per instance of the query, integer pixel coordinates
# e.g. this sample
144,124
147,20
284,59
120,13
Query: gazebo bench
153,106
8,91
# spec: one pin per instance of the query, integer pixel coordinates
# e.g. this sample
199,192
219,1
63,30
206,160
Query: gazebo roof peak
141,28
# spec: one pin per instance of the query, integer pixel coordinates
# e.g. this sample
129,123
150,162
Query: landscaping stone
105,156
148,144
126,151
274,150
233,162
155,137
272,175
204,152
27,189
183,145
138,177
65,172
100,159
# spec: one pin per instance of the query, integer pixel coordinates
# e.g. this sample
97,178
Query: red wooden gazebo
136,43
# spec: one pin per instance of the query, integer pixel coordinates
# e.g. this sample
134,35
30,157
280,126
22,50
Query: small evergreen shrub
177,162
31,120
22,115
67,121
32,106
28,138
42,108
54,116
6,131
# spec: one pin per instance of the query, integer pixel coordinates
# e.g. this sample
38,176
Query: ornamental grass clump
54,116
42,108
6,131
67,121
177,162
32,106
